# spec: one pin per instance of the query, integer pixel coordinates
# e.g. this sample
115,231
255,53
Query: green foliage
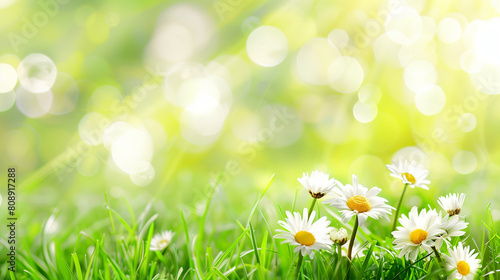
121,251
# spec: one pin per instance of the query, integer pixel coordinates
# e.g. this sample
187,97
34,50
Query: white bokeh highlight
7,100
314,60
467,122
338,38
365,112
33,105
464,162
8,78
130,147
37,73
91,127
404,25
142,173
346,74
449,30
430,101
267,46
419,74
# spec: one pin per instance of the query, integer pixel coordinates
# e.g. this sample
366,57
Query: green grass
116,246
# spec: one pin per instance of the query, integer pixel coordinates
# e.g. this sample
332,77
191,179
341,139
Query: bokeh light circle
430,101
142,173
91,128
369,93
8,78
235,71
467,122
184,31
464,162
201,122
130,147
113,131
365,112
6,3
487,80
419,74
387,51
338,38
7,100
204,89
314,60
37,73
412,153
449,30
404,25
180,73
267,46
470,33
346,74
429,29
33,105
470,63
486,41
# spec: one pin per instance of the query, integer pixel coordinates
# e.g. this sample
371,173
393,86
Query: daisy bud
339,236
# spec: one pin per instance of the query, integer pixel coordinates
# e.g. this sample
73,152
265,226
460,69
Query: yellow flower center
409,177
463,268
359,203
305,238
163,243
418,235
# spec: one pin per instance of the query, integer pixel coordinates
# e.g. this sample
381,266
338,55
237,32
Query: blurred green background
152,100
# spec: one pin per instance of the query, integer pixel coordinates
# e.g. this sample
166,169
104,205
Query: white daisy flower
452,203
462,262
339,235
417,230
453,226
303,233
358,200
317,184
161,240
409,173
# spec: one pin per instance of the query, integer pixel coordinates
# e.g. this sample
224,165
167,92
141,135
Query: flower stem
299,263
311,208
353,236
397,209
339,260
437,254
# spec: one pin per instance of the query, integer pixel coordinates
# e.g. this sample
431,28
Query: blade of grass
254,243
186,232
219,260
219,274
250,217
368,256
77,266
